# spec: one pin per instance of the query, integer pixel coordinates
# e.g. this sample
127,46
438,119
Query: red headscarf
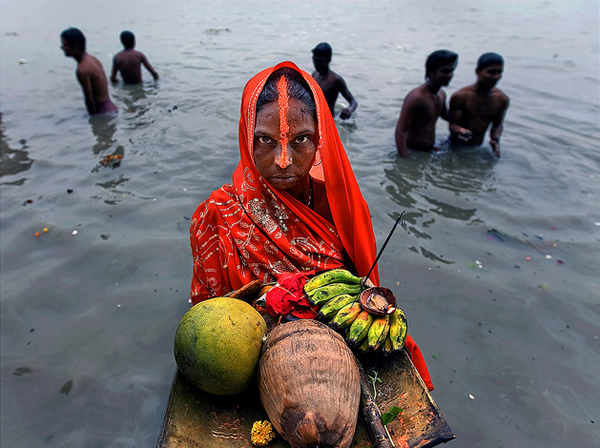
248,230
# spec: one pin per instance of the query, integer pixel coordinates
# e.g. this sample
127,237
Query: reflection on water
13,161
103,127
137,100
438,186
462,168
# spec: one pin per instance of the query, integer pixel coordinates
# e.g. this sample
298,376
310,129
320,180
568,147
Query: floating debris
111,160
476,265
20,371
66,387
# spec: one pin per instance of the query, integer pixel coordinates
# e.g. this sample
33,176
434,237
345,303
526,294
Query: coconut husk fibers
309,385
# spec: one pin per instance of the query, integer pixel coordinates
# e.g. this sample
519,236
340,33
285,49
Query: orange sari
247,230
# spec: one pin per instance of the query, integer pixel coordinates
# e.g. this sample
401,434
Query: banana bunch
386,333
337,293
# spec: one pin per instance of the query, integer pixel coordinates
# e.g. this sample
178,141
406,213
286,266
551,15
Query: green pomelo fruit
217,345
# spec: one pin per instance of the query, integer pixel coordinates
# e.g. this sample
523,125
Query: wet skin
474,108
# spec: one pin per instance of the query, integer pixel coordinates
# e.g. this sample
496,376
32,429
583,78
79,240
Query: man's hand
464,135
495,147
346,113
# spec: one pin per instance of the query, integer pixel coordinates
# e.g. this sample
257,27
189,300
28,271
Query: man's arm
86,85
454,116
444,112
403,125
497,128
113,74
353,104
149,67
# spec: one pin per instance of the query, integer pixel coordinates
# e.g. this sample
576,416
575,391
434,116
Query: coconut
309,385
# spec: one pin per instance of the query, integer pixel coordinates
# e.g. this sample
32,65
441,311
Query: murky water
497,267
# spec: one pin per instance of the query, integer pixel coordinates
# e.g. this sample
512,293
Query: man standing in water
474,107
331,83
424,104
90,73
128,62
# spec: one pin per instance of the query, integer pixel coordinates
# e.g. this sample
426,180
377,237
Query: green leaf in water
390,415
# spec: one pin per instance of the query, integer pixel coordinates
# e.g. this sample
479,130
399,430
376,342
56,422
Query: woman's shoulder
212,208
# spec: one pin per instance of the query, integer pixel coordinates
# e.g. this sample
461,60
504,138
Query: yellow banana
398,329
386,347
378,331
325,293
345,316
330,308
359,328
329,277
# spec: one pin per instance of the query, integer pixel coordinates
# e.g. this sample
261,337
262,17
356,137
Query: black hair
127,39
438,58
487,59
323,50
74,37
297,88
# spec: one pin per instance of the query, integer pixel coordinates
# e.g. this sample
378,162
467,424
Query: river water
496,264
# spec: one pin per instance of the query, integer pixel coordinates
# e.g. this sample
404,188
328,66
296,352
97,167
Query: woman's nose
283,160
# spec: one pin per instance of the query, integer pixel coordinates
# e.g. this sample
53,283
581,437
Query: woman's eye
301,139
264,140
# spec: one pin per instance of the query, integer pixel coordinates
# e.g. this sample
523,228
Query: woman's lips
283,180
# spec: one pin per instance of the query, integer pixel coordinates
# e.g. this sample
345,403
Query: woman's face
285,143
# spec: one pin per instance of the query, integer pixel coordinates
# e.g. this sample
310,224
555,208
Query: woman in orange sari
294,203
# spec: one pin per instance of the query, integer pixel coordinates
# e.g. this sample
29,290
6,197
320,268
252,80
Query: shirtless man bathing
423,105
330,82
475,107
90,73
129,61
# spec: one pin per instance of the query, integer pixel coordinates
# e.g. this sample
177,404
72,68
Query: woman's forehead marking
284,104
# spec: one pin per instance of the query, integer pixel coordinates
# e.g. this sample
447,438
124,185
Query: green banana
398,329
378,331
359,328
364,347
325,293
329,277
330,308
345,316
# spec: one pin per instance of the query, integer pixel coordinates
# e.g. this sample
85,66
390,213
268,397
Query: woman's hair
297,88
74,37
